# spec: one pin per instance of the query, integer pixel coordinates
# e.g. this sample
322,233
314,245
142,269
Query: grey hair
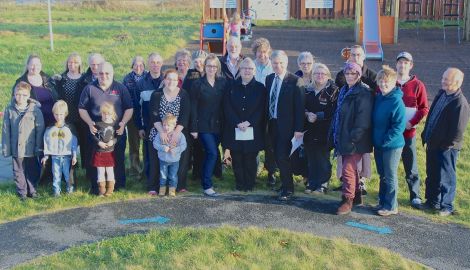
185,53
95,55
304,55
248,62
153,55
136,59
280,54
234,39
318,66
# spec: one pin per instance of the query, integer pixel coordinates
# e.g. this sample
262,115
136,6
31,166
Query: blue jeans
410,164
441,178
61,165
169,172
210,142
387,165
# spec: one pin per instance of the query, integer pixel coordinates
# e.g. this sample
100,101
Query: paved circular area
441,246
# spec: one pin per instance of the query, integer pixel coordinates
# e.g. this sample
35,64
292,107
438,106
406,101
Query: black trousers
319,165
184,164
153,177
244,168
269,157
282,146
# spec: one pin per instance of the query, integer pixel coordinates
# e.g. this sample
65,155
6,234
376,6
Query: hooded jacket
22,134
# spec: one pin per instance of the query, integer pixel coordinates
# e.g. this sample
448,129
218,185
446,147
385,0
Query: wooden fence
430,9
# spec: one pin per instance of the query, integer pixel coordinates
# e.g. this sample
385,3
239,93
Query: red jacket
414,96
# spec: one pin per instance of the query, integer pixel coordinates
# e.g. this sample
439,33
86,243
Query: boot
358,198
172,192
162,191
345,207
101,188
110,188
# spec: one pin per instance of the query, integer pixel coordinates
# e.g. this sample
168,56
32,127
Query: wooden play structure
212,34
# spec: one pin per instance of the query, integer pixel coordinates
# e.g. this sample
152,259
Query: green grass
223,248
118,33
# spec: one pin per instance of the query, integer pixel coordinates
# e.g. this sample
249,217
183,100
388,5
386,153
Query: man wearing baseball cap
416,103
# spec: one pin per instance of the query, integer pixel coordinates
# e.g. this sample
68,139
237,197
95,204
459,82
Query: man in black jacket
230,62
443,135
286,117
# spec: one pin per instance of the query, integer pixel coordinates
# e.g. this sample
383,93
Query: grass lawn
222,248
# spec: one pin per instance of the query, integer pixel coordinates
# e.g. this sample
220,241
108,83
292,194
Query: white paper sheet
246,135
296,143
409,113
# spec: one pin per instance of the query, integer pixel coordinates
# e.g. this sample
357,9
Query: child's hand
43,161
166,149
74,160
110,143
102,145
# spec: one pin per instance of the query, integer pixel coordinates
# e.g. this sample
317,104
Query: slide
371,30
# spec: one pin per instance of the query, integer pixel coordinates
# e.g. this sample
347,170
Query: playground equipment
373,29
213,34
249,20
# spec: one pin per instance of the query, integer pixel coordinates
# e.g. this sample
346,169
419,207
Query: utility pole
51,35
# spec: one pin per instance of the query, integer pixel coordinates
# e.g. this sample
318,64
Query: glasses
350,74
211,66
320,74
172,80
306,63
247,68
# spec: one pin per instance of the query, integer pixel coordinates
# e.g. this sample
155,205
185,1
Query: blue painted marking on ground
158,219
379,230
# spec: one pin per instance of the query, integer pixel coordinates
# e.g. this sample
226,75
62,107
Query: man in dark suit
286,117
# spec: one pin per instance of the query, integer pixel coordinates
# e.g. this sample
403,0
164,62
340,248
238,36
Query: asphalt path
440,246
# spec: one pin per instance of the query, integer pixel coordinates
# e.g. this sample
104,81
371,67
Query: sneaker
152,193
34,196
308,191
385,213
320,190
445,213
210,192
416,203
377,207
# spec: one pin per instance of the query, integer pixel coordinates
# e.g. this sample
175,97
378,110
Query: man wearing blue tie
285,113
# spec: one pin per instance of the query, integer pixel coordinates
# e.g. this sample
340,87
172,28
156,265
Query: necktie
273,98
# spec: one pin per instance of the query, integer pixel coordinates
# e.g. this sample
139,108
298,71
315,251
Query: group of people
183,114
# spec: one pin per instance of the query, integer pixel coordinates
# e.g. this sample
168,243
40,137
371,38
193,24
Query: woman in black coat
244,110
320,105
206,116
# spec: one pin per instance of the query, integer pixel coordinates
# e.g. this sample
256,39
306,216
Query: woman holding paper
244,125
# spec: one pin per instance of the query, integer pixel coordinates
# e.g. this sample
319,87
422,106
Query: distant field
119,33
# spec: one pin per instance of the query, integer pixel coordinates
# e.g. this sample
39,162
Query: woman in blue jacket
388,121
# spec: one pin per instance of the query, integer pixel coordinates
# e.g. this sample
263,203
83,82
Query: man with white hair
106,89
286,117
443,135
230,62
